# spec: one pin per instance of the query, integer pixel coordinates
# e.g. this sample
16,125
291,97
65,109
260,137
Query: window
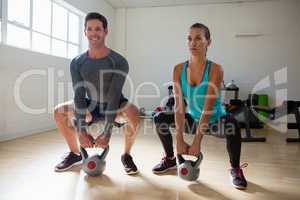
46,26
73,51
18,37
0,20
0,31
19,12
18,15
0,9
41,20
59,48
73,28
40,43
60,22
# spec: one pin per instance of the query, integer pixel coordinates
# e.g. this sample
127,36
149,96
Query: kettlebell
189,170
94,165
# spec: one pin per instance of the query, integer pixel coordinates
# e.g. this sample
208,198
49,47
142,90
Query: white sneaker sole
65,169
236,186
132,172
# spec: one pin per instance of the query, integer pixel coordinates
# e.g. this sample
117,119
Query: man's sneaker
165,165
70,160
129,166
238,179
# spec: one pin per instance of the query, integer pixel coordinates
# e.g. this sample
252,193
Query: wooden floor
26,171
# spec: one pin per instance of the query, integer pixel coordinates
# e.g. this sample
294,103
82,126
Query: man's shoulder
117,56
78,60
119,61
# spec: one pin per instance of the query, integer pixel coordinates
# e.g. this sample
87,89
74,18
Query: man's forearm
108,130
80,124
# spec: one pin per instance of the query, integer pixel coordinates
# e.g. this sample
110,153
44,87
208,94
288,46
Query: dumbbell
187,169
94,165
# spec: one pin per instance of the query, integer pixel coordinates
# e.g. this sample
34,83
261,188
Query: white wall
15,122
154,40
119,33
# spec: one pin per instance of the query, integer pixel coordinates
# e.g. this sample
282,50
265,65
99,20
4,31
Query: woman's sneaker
129,166
238,179
70,160
165,165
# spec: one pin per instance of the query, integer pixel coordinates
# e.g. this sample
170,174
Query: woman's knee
159,118
161,123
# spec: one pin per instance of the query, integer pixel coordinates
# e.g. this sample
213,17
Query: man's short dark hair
94,15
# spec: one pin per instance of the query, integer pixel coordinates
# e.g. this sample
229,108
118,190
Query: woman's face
197,42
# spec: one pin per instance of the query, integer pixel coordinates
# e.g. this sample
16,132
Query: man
98,76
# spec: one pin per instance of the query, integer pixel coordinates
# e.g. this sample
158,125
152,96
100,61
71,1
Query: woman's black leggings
226,126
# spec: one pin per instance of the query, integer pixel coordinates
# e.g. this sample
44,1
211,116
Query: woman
198,108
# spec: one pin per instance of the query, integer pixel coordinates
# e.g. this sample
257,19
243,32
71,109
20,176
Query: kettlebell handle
195,163
104,153
180,158
198,161
84,153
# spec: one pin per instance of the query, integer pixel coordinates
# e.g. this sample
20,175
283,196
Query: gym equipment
169,106
171,100
293,108
228,92
263,100
287,107
189,170
249,138
236,107
142,111
94,165
247,107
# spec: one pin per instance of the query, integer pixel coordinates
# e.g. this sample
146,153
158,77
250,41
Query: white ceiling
160,3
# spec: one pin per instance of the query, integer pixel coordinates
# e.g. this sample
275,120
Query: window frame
1,16
69,8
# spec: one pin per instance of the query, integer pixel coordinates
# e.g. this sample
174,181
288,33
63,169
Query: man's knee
132,114
61,112
135,114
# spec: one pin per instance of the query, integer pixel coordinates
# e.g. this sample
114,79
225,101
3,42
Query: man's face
95,33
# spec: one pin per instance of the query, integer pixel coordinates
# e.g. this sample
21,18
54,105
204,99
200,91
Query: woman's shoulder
216,67
178,68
